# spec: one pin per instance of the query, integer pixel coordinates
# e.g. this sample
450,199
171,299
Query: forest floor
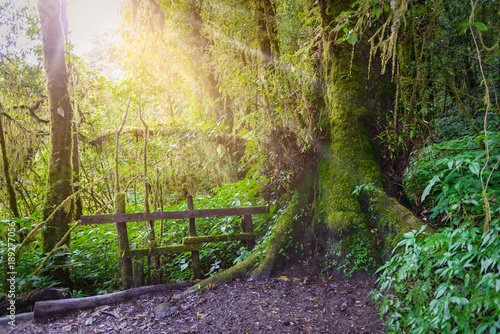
296,300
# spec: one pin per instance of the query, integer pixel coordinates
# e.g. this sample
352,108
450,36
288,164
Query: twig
117,174
484,186
456,51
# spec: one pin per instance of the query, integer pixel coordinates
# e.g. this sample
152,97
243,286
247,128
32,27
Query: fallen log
23,301
6,321
55,308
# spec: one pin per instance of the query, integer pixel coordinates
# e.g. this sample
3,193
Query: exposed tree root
377,224
241,269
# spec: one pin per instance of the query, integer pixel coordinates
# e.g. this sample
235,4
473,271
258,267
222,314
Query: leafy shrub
447,177
446,283
349,256
94,255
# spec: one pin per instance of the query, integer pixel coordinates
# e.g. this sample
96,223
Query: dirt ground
296,300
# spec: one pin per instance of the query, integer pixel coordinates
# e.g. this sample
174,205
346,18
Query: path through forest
296,300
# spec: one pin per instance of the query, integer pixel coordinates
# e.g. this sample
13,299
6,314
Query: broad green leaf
376,11
440,291
475,168
464,23
450,164
482,327
459,300
427,189
480,26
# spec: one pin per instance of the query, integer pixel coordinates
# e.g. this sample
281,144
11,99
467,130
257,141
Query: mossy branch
117,174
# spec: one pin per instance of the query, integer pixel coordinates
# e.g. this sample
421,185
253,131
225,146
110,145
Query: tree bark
60,180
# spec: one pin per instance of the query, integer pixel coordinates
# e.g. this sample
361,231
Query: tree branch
459,52
31,111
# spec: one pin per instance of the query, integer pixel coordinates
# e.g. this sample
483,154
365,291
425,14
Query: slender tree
11,194
59,183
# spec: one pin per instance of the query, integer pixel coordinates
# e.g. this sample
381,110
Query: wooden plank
217,238
123,243
162,250
143,216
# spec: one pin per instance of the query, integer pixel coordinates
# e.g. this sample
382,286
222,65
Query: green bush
446,283
447,177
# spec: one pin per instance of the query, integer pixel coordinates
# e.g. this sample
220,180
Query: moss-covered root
288,230
394,219
241,269
398,218
283,233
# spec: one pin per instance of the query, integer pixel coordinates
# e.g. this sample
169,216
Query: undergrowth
92,258
448,281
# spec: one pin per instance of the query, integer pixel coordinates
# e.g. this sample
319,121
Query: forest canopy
370,128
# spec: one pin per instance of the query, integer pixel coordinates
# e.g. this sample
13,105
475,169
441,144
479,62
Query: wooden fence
192,243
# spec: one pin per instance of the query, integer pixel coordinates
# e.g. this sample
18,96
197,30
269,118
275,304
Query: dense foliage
229,101
445,278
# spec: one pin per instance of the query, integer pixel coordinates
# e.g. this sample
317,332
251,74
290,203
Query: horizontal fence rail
186,214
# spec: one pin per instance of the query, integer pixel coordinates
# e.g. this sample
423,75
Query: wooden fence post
123,244
248,228
138,273
195,255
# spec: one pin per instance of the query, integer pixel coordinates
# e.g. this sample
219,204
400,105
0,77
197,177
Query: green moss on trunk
59,183
288,230
347,158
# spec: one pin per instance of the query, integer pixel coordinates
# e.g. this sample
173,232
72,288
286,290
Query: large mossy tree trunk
346,159
59,183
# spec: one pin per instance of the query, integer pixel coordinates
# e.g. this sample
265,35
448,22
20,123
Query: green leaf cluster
449,177
446,283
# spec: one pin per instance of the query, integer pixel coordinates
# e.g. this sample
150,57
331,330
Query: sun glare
88,18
